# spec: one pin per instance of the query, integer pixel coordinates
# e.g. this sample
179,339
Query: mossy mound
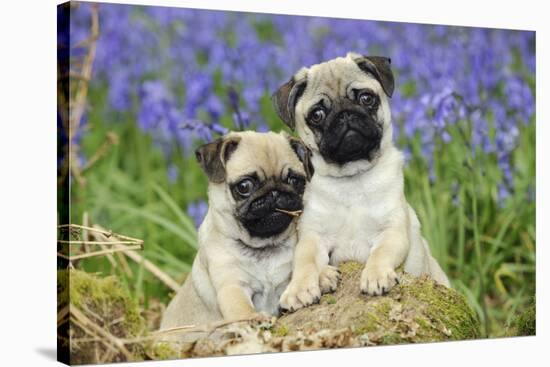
526,323
416,310
99,307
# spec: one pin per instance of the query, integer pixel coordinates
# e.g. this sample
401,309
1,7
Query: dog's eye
317,115
367,99
294,181
245,187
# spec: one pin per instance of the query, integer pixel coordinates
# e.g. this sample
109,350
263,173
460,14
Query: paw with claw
328,279
302,291
377,280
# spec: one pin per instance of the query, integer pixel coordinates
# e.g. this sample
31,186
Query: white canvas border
27,191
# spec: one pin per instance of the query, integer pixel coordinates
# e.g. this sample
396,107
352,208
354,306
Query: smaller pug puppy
247,239
355,204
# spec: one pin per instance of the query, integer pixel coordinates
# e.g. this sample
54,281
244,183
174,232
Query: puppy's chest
268,279
348,219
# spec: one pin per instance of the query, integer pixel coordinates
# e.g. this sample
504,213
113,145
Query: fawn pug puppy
355,204
247,239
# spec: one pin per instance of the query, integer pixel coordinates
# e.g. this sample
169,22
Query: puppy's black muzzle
350,136
260,217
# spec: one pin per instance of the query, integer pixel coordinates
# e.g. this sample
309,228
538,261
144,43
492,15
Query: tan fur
224,282
357,211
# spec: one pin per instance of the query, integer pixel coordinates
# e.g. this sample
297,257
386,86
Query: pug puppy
355,204
247,239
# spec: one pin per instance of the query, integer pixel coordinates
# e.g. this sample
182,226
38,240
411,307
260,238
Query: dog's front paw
262,318
377,280
328,279
301,292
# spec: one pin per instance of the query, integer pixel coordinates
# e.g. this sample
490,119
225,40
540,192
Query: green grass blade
189,238
182,216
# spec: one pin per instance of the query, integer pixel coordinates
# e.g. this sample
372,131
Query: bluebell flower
155,104
175,64
214,106
120,91
173,173
262,127
503,194
197,211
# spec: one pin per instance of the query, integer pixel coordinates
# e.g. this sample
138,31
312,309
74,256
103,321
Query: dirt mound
106,326
416,311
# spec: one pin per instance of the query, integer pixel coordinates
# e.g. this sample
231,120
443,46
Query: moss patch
107,305
280,330
526,323
162,351
350,267
329,299
416,310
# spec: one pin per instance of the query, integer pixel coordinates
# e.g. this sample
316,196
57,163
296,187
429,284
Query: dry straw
293,213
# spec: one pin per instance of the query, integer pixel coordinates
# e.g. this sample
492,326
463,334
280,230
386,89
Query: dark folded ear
304,155
380,68
285,99
212,157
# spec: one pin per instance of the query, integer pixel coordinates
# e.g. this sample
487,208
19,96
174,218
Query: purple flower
262,127
197,211
173,173
198,89
120,91
201,68
445,106
503,194
214,106
156,104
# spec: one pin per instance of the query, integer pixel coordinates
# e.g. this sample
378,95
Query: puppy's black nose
275,194
345,117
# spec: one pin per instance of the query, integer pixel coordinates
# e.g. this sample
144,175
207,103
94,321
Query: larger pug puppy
355,204
247,239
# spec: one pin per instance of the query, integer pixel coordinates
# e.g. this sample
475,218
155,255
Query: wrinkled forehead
337,78
266,155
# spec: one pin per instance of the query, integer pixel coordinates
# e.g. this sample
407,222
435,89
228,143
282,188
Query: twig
108,234
116,321
95,315
112,139
62,314
153,269
124,264
148,265
206,328
114,263
113,240
184,329
202,328
83,319
85,233
86,223
78,104
87,331
86,340
74,74
98,253
294,213
74,242
86,73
